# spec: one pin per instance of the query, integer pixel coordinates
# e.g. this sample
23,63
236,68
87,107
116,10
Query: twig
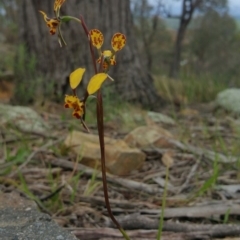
133,185
136,221
98,201
203,152
173,231
109,234
190,175
206,211
52,194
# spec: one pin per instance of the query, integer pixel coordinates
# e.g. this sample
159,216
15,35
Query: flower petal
72,101
113,61
52,23
96,82
69,101
77,114
58,4
107,53
96,38
76,77
46,18
118,41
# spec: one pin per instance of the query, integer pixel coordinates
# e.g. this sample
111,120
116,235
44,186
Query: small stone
148,137
120,158
160,118
229,100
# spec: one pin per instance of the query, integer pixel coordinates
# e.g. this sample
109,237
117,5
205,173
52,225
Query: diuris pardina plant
106,59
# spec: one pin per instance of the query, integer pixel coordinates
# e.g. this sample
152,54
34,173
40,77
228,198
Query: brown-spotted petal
118,41
96,38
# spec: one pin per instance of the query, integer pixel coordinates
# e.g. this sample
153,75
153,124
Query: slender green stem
68,18
60,37
160,227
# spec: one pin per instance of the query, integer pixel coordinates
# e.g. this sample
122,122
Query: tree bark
188,7
132,81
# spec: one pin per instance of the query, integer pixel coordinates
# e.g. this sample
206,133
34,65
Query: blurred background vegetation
192,55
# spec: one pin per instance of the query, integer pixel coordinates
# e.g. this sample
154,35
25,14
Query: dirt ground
202,193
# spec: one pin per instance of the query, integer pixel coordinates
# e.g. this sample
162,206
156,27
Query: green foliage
154,39
211,181
206,5
7,59
8,20
214,45
26,82
74,182
226,216
92,184
19,157
191,88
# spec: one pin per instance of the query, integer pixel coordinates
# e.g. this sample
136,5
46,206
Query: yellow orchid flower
74,102
118,41
52,23
57,5
109,59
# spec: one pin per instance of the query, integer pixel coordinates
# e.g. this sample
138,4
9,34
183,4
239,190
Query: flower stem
100,125
102,148
90,44
68,18
160,227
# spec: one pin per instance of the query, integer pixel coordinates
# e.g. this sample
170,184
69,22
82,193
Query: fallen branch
191,212
203,152
189,176
99,201
172,231
133,185
110,234
136,221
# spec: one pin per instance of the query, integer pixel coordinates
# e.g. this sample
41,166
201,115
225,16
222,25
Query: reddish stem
102,148
100,129
90,43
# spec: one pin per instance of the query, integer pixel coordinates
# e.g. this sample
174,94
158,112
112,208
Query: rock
229,99
24,118
20,219
149,136
120,158
160,118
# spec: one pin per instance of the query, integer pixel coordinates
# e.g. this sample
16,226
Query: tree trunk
132,81
188,7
